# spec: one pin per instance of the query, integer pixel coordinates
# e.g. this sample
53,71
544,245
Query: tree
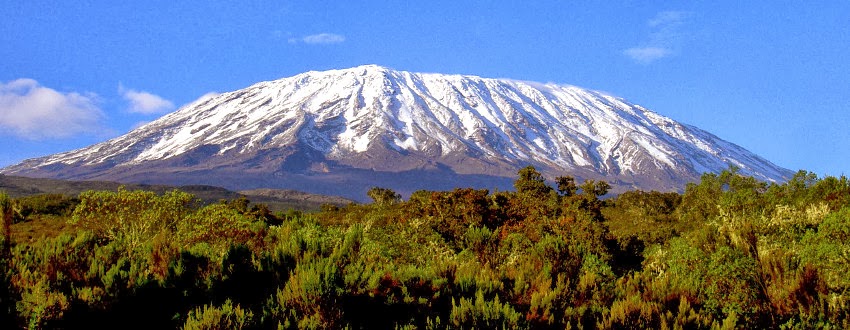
593,189
240,204
383,196
531,183
699,202
566,185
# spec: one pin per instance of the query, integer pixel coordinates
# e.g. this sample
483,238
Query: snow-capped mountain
343,131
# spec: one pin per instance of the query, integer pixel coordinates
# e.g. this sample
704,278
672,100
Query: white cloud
663,40
144,102
31,111
646,55
668,18
320,39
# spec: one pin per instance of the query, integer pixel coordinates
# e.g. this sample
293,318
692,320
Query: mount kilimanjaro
340,132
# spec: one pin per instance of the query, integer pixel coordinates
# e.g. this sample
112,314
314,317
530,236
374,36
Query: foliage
383,196
226,316
531,183
7,300
731,252
46,204
130,216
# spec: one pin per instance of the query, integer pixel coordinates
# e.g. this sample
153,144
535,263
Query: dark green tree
593,189
531,183
383,196
566,185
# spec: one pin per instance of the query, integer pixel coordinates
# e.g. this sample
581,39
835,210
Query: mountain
340,132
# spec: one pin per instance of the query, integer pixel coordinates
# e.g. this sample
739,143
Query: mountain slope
341,131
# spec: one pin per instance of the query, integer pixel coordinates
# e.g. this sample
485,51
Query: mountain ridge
321,130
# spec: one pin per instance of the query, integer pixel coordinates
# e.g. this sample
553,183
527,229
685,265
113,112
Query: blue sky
774,78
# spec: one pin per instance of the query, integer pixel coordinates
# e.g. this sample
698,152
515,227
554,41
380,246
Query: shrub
226,316
132,217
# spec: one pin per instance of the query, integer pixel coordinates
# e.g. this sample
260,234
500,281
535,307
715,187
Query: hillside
277,200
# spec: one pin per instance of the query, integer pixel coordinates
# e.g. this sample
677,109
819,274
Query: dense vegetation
275,199
730,252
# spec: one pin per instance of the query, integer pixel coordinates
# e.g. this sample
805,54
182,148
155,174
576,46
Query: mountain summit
342,131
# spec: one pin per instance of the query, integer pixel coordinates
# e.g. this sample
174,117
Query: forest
729,252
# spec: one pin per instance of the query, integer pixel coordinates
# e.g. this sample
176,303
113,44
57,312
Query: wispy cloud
663,40
668,18
646,55
319,39
144,102
31,111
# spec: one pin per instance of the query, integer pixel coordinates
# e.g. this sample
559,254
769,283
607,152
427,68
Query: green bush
729,253
226,316
131,216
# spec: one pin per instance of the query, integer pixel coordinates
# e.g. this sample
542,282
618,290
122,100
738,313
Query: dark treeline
730,252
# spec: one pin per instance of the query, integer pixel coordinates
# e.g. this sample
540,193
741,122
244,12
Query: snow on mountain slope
380,120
